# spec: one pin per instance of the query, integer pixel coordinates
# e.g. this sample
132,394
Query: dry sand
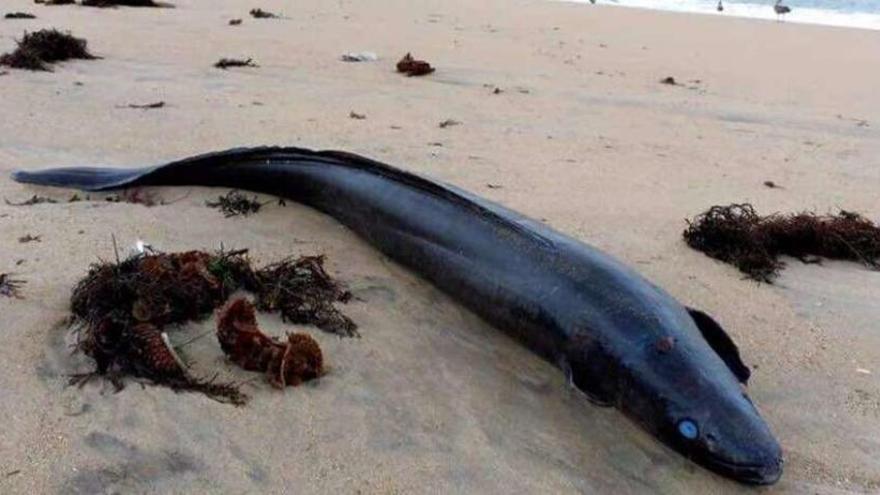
432,400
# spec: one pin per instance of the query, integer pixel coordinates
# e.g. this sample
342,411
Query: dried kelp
736,234
303,292
235,203
38,49
121,310
293,362
19,15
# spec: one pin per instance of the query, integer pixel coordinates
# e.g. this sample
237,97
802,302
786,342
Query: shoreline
813,17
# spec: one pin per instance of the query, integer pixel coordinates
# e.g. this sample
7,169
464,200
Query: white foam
765,11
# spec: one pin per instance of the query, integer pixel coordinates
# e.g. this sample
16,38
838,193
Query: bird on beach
780,9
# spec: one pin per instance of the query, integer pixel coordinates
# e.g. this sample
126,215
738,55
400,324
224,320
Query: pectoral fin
721,343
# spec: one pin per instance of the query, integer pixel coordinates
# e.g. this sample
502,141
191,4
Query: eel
618,338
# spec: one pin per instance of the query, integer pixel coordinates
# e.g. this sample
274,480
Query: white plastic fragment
359,57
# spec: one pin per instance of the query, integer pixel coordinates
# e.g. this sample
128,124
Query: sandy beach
430,399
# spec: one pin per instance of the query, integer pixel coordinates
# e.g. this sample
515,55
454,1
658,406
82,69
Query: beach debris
120,3
29,238
359,57
146,106
669,80
37,49
289,363
19,15
493,186
449,123
412,67
10,287
863,371
55,2
121,310
234,203
33,200
772,185
135,195
737,235
225,63
497,91
234,22
4,72
357,116
262,14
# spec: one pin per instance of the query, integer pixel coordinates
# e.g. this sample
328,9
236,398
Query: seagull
780,9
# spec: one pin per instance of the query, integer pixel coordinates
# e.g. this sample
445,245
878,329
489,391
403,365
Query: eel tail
207,169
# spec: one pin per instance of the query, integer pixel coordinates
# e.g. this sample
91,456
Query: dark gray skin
619,338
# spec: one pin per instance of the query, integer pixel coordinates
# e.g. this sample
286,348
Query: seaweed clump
121,311
234,203
36,50
19,15
737,235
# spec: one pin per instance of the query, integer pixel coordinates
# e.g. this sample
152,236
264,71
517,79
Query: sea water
847,13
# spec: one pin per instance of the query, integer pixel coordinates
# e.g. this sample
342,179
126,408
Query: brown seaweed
412,67
736,234
19,15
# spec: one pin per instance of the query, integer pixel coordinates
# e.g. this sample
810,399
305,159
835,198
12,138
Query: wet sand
431,399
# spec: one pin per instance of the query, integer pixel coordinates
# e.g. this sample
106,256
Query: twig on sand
225,63
146,106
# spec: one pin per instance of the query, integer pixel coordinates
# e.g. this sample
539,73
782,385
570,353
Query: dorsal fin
721,343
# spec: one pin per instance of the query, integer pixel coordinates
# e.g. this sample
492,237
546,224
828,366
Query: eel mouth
765,473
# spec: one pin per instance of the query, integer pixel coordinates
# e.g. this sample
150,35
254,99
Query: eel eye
688,429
